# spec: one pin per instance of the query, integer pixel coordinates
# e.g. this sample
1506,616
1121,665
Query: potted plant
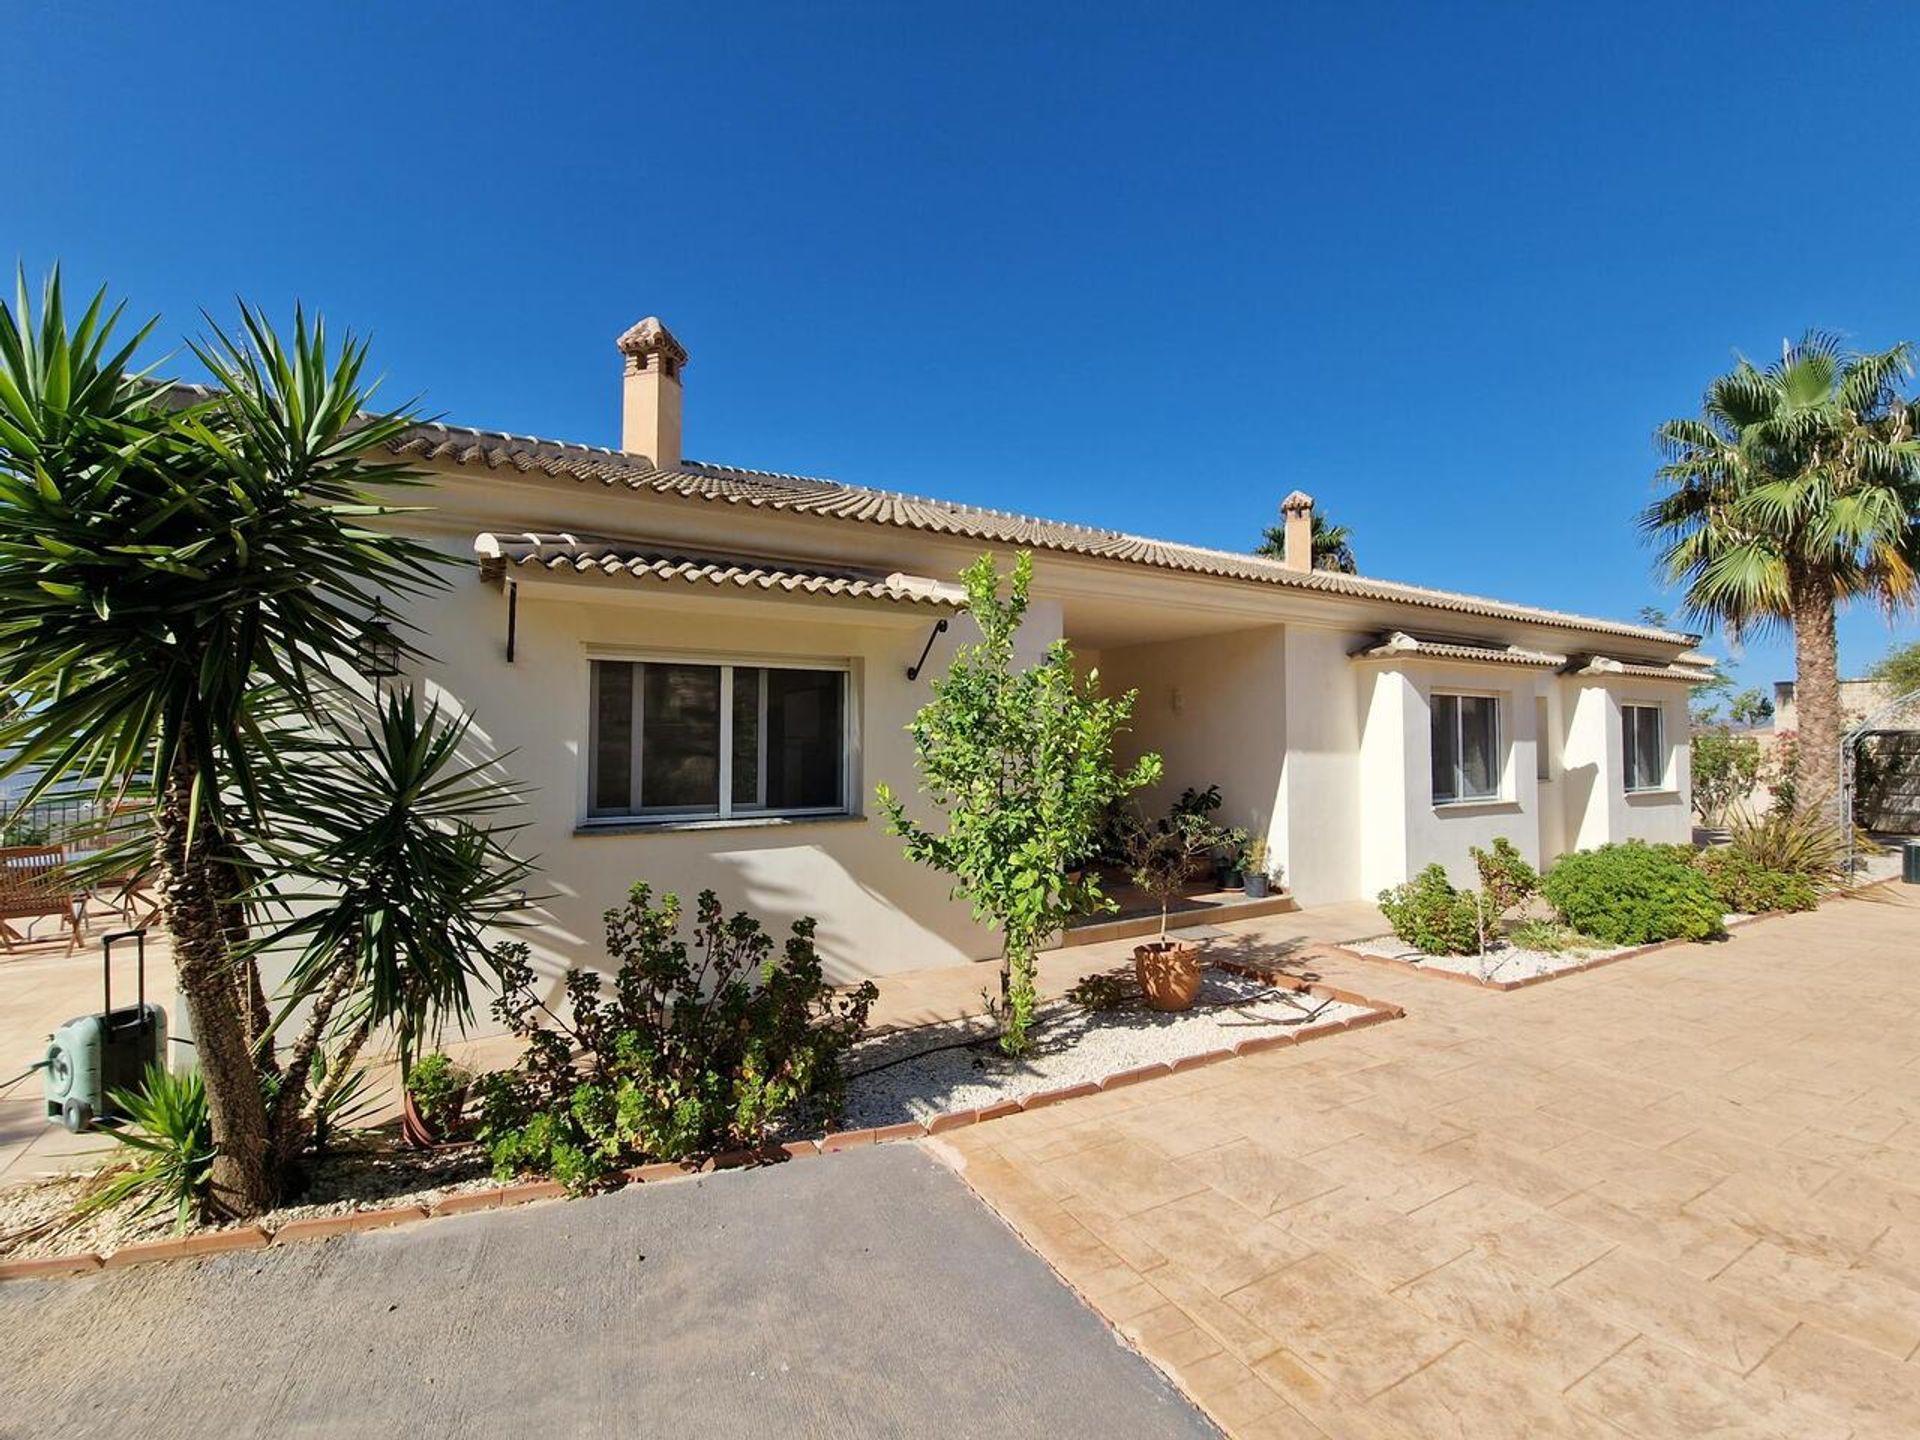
1231,864
1256,863
435,1097
1160,860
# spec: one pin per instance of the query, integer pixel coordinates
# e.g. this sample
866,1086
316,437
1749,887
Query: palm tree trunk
1816,691
243,1181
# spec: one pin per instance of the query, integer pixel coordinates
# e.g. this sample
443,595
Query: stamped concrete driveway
1675,1197
866,1295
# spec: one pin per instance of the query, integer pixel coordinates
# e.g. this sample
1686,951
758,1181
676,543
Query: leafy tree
180,580
1332,545
1794,491
1899,670
1750,707
1021,763
1725,770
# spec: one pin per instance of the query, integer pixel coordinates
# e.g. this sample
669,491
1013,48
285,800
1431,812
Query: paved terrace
1676,1196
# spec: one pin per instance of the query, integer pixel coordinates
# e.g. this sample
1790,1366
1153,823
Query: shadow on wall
1579,782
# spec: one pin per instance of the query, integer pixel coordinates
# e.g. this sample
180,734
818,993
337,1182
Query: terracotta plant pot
1169,974
416,1130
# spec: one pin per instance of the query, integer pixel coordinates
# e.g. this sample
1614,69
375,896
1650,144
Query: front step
1188,912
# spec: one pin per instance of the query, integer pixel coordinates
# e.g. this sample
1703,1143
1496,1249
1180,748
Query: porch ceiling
1108,623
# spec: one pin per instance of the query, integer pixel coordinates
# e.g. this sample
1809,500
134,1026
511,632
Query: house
702,672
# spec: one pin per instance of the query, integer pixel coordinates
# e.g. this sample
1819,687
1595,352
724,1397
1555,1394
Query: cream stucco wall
1405,830
1321,818
1598,807
877,913
1213,709
1247,686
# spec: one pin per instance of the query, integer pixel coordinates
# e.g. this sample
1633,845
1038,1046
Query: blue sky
1444,267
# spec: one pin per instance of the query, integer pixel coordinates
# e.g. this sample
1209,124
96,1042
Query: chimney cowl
650,337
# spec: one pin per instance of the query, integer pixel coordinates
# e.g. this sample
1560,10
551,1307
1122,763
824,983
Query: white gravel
1072,1045
1502,964
359,1176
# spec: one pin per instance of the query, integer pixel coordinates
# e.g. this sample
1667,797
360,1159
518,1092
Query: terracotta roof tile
582,555
589,465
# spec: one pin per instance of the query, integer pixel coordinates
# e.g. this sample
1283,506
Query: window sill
1476,807
1653,797
737,822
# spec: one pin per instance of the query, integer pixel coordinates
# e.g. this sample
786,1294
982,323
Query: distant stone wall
1887,784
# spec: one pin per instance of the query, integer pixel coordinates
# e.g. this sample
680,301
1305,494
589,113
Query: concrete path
1677,1196
864,1295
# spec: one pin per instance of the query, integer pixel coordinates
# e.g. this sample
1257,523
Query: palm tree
172,570
1794,491
1332,545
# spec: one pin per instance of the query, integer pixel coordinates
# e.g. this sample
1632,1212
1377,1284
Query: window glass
1479,765
1446,747
667,743
1466,747
749,698
680,738
1542,740
613,738
804,739
1646,759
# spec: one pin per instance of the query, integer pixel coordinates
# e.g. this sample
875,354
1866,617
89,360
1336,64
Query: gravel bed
369,1176
1503,963
933,1069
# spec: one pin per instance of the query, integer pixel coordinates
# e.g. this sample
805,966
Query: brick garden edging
1504,985
466,1202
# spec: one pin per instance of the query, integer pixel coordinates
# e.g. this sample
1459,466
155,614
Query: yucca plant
171,1132
387,848
173,566
1792,842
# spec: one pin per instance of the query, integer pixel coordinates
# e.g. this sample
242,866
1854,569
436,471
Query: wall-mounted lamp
377,651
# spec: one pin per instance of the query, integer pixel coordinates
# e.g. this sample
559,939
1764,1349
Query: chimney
650,398
1297,511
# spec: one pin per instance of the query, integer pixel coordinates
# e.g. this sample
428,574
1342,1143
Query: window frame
1661,751
1499,792
727,810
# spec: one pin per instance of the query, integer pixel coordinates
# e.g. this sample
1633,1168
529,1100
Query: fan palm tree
171,568
1332,545
1794,491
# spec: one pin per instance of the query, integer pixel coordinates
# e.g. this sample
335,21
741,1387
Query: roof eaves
833,499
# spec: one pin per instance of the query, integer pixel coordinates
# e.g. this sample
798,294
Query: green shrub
1633,894
1792,842
1750,888
1103,992
1433,917
171,1132
439,1090
695,1050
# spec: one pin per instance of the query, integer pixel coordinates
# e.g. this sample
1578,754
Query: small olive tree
1021,762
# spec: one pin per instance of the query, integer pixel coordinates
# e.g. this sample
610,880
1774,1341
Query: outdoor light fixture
378,650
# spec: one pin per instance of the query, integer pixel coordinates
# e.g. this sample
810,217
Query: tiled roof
585,554
497,451
1602,665
1399,645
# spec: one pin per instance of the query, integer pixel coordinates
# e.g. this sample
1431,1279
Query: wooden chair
33,883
